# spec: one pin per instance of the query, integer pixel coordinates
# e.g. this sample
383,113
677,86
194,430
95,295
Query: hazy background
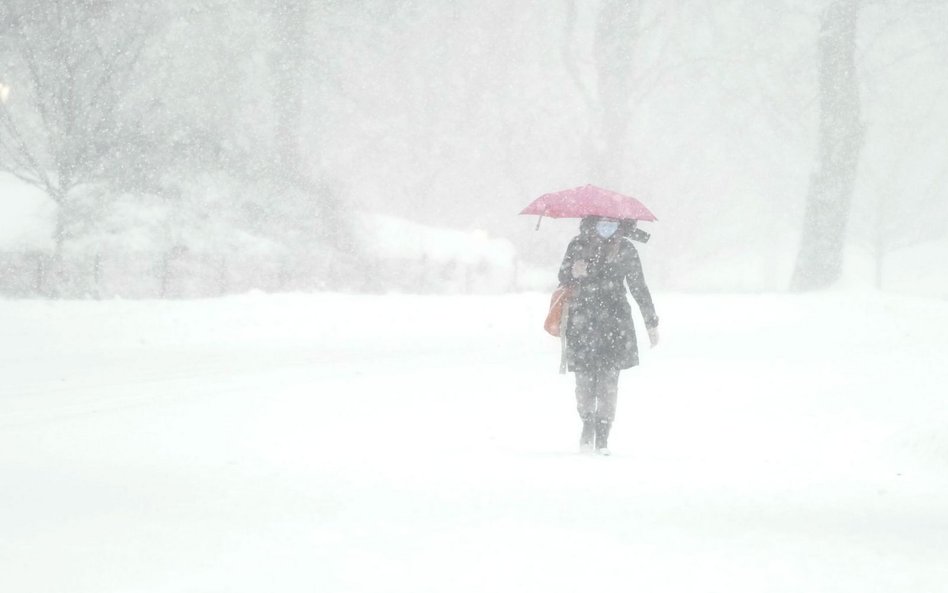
206,147
311,435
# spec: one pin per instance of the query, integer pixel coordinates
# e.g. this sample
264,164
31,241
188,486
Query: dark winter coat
600,332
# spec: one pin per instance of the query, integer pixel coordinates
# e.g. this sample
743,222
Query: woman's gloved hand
579,269
653,336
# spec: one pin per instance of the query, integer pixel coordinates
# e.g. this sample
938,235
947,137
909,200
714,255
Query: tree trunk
289,19
289,23
60,196
820,259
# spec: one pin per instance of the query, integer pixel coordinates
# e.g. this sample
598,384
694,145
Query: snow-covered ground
26,216
343,444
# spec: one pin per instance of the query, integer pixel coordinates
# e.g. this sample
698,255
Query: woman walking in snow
600,333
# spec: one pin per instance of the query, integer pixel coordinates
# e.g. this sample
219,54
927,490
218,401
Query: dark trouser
596,395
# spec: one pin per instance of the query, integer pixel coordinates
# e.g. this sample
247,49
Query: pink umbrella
588,200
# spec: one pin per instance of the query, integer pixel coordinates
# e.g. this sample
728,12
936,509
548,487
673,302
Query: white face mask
607,228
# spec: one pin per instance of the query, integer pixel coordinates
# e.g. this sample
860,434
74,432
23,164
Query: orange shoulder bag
559,303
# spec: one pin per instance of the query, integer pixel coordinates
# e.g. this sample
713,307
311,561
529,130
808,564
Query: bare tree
617,32
620,81
820,259
293,62
74,63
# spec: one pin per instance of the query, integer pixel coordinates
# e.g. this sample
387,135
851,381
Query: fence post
39,281
163,274
97,276
222,275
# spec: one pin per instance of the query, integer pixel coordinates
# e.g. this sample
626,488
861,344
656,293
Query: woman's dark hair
627,227
588,224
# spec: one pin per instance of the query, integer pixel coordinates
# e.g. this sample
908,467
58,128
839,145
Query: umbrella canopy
589,200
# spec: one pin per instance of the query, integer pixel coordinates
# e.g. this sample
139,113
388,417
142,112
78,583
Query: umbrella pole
539,219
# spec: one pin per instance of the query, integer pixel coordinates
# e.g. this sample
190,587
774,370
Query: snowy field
376,444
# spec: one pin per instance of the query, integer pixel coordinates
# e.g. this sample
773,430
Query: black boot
602,436
586,440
